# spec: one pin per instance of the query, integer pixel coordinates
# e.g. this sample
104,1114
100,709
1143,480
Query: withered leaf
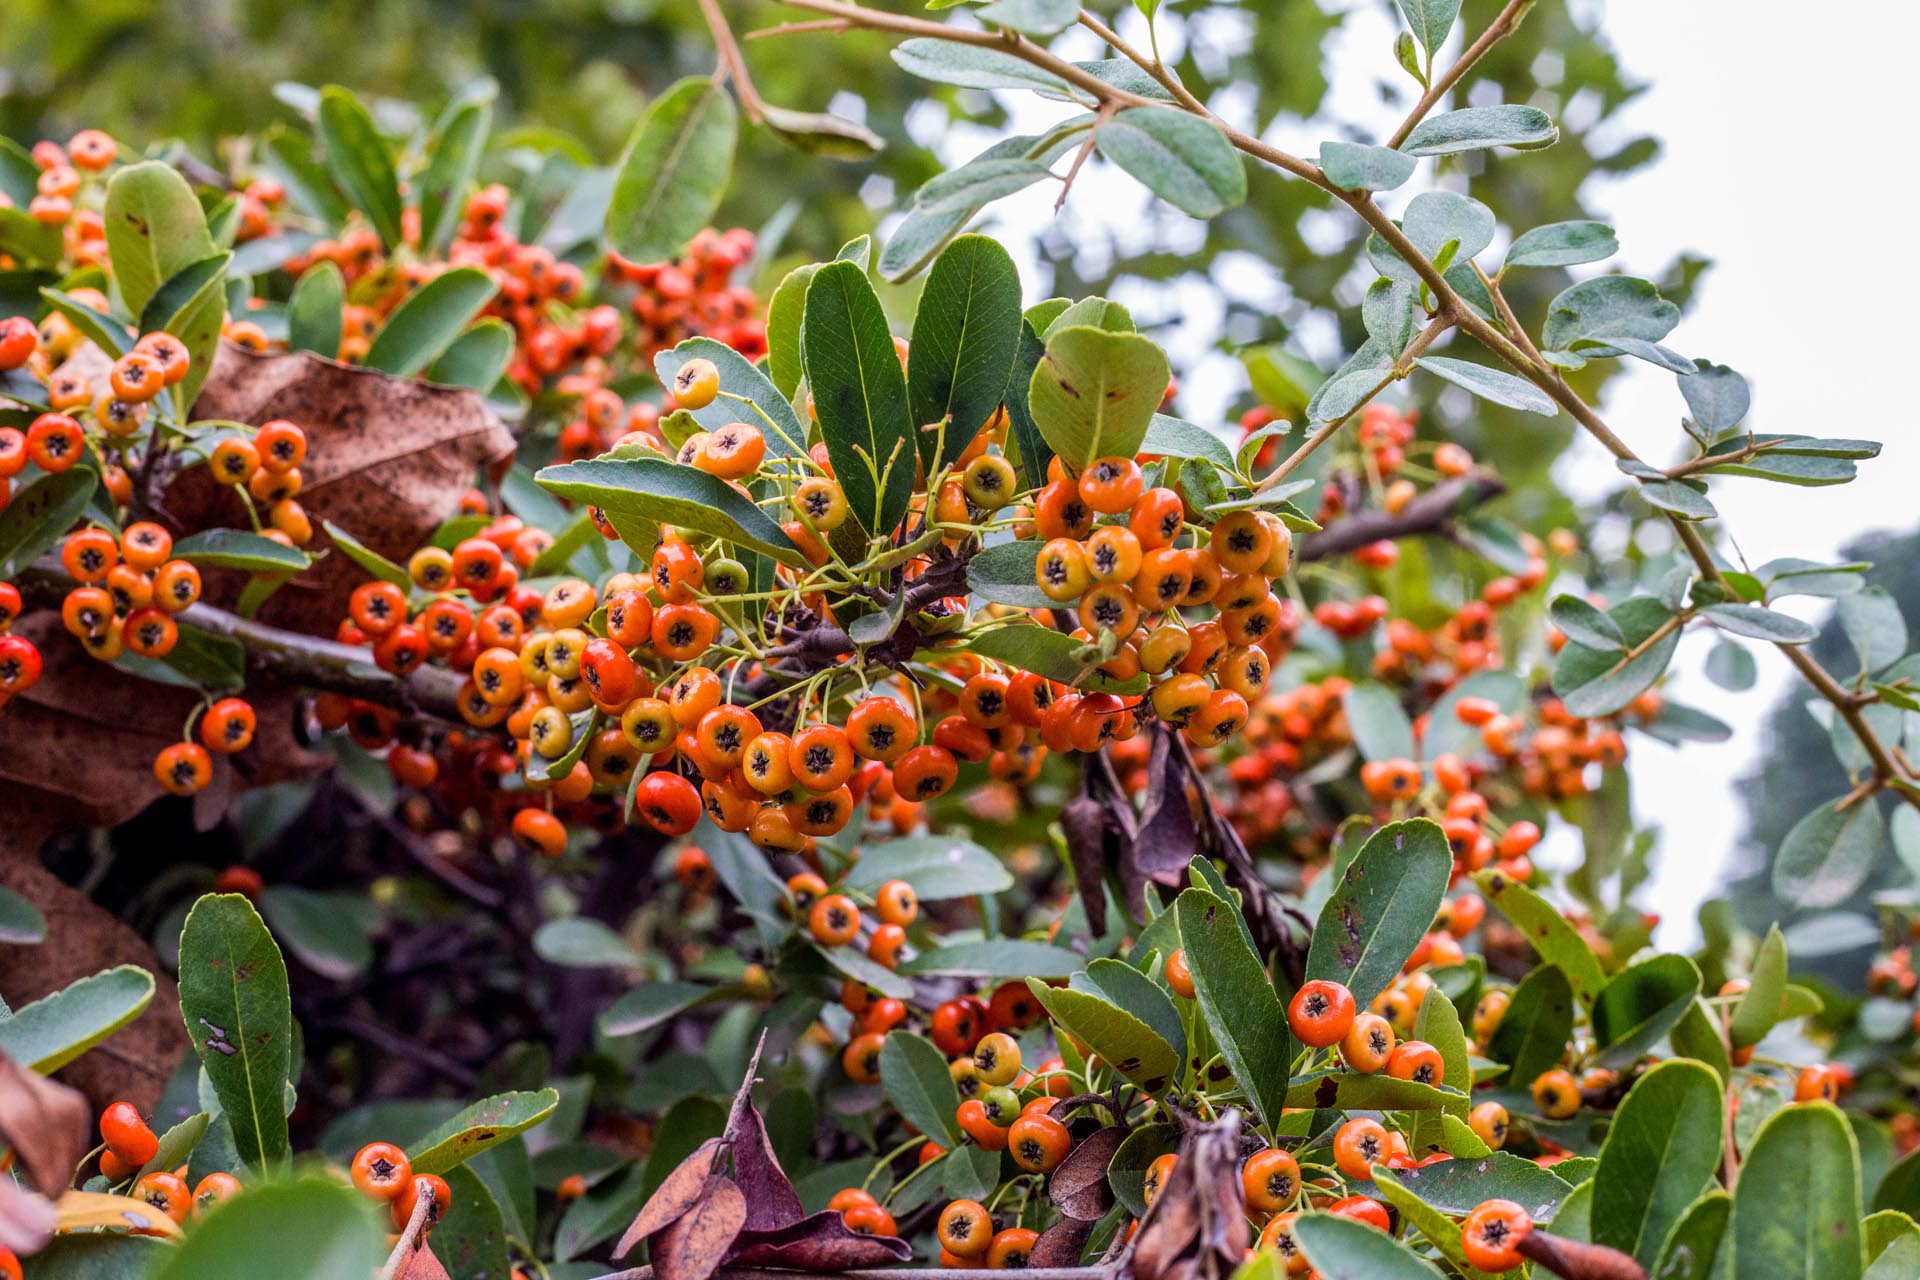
417,1262
818,1242
1197,1227
771,1200
693,1246
1168,839
678,1192
1087,825
45,1122
387,460
1060,1245
1079,1187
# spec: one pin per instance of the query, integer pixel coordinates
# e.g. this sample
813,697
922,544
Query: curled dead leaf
1197,1226
678,1192
1079,1187
45,1122
1060,1245
771,1200
693,1246
818,1242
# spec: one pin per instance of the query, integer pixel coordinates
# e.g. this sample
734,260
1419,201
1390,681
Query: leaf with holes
235,1002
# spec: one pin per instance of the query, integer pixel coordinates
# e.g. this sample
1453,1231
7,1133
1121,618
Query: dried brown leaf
693,1246
771,1200
1079,1186
387,460
818,1242
45,1122
1197,1227
1061,1244
419,1263
678,1192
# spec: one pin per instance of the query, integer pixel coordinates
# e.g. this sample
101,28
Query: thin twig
730,55
1432,512
1500,28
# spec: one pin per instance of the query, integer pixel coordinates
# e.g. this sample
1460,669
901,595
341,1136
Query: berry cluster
381,1172
129,1145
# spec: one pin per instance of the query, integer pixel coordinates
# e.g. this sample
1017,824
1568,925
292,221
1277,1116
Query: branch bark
1432,512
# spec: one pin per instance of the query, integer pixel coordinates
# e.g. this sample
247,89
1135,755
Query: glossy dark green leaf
1697,1036
1456,1187
1796,1208
1829,854
57,1028
485,1124
662,491
784,312
1533,1032
366,557
235,1002
650,1004
315,309
1694,1245
1343,1249
674,170
965,334
41,513
240,549
1242,1010
1661,1152
453,159
1547,931
918,1084
477,359
155,228
1031,646
1640,1005
1139,995
471,1239
1477,128
426,324
1382,906
359,162
1182,158
859,395
1127,1171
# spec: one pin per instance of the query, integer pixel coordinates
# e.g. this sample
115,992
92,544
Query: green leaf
1697,1036
485,1124
936,866
1490,384
821,133
740,380
855,964
239,549
650,1004
1174,438
1440,1230
1584,624
57,1028
1005,575
860,395
184,289
1430,21
1547,930
471,1238
1127,1171
314,1228
1533,1032
581,942
918,1084
1095,392
1101,313
321,929
1761,1007
1456,1187
1900,1188
21,924
1242,1010
1640,1005
1034,17
1562,244
177,1143
1900,1260
477,359
358,161
40,514
1598,683
978,182
1873,625
1343,1249
1476,128
1693,1246
1759,623
994,958
663,491
1031,646
1796,1208
155,228
1605,311
972,67
425,325
315,309
1381,908
453,160
1181,158
1378,723
1023,433
1139,995
234,1000
1353,166
1123,1041
21,237
366,557
784,311
1828,854
1887,1227
674,170
965,335
1661,1152
105,332
1716,396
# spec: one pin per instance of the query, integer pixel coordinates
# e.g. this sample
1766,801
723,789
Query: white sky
1776,153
